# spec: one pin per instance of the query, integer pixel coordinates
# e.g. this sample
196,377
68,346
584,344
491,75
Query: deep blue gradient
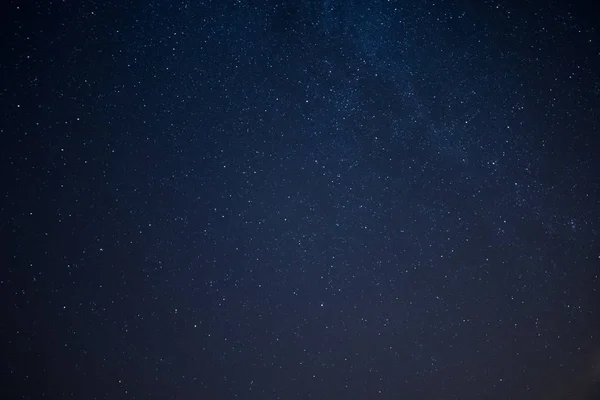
294,200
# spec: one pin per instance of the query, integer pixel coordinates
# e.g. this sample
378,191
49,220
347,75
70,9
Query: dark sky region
300,200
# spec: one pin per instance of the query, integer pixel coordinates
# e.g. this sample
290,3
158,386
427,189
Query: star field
294,200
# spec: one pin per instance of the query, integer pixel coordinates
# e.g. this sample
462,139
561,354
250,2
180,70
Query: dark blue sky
294,200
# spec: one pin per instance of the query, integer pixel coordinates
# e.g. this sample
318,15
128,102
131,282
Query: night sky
300,200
